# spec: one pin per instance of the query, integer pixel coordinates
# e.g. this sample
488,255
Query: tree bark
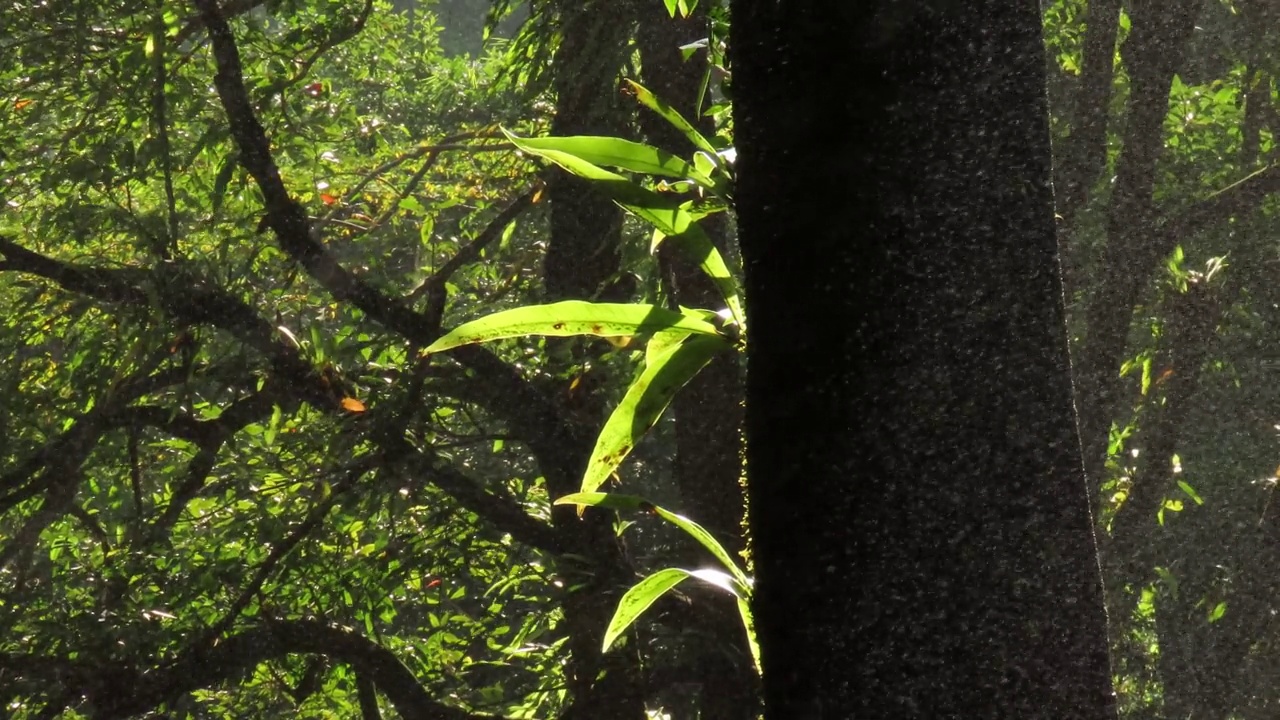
1160,31
582,262
1085,150
923,544
709,410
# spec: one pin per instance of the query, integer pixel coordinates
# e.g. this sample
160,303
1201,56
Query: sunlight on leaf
571,318
645,402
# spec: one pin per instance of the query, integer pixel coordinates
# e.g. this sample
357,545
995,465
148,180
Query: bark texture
709,410
923,544
583,262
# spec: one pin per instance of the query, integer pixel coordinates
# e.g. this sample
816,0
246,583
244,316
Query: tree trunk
1084,153
1134,248
923,544
582,262
709,410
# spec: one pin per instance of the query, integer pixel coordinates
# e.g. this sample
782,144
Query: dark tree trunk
582,262
1160,31
1136,242
1085,150
709,410
923,545
1141,543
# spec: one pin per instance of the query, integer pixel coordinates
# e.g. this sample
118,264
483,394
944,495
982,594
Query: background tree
1164,134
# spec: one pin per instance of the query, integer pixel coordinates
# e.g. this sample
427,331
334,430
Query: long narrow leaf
699,248
670,114
661,211
749,623
570,318
644,403
708,541
615,152
611,501
638,599
722,580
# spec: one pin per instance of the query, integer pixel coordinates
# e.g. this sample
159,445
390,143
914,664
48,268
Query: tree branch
498,509
186,299
289,220
282,549
1085,152
285,215
119,693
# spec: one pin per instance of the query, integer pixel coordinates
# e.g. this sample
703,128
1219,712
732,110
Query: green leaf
666,340
644,403
1191,492
670,114
638,599
613,152
688,50
570,318
722,580
222,180
695,244
426,230
1218,611
609,501
622,502
269,437
661,211
704,162
708,541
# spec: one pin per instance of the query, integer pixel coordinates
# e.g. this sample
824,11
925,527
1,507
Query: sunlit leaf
1218,611
672,116
661,211
695,244
613,152
1191,492
571,318
638,599
749,624
644,402
633,503
705,538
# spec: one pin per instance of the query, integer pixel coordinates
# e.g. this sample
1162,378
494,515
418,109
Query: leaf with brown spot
575,317
665,372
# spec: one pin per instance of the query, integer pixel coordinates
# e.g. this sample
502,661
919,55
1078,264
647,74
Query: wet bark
922,537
